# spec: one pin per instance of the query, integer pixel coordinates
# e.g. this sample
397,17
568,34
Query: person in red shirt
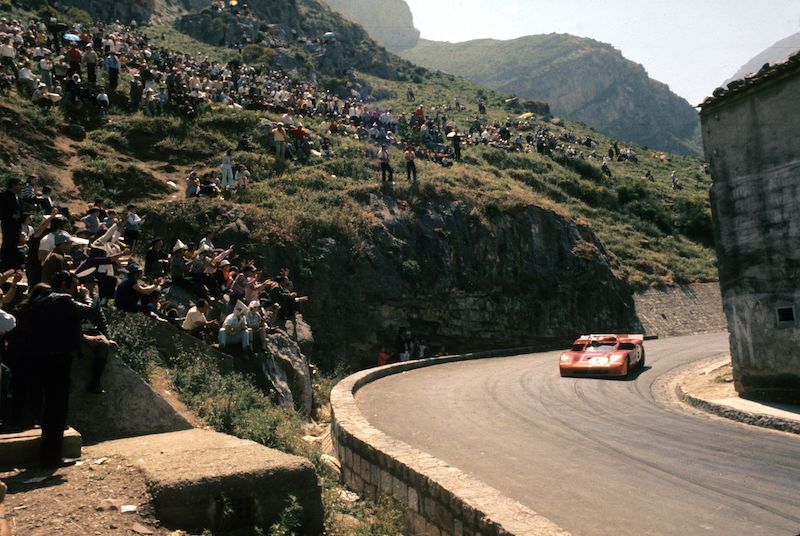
74,57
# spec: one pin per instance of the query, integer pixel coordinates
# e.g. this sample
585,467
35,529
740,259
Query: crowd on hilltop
86,71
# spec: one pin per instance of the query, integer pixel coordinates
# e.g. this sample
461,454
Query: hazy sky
692,45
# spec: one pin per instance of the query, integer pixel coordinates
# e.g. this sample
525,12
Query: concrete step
200,479
22,449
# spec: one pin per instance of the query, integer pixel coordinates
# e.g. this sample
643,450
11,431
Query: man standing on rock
53,309
386,164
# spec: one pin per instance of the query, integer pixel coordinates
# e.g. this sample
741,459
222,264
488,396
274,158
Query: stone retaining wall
682,310
439,499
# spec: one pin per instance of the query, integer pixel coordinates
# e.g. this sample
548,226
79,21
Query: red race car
603,355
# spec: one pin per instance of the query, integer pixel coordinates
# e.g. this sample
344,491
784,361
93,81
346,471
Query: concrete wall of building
751,143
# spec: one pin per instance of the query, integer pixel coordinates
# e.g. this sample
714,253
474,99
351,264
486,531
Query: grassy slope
651,229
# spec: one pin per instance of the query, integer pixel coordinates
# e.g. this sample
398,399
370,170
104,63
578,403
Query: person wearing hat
92,221
59,259
74,58
130,291
178,265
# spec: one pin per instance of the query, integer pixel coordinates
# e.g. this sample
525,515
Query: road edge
437,497
727,412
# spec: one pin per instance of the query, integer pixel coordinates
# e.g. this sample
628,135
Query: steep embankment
582,79
433,262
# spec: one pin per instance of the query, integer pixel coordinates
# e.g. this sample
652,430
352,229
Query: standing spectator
113,67
676,185
90,59
136,93
7,56
55,308
411,166
133,225
386,164
228,182
46,72
456,140
11,224
74,58
279,137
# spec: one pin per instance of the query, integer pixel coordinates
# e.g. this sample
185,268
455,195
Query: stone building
751,133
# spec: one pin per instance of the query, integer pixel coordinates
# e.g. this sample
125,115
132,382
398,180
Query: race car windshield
596,346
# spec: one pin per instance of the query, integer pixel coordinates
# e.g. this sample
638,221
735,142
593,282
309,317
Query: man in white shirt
234,330
196,322
7,55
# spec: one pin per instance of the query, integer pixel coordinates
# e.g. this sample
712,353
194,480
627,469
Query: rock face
225,28
293,28
127,10
580,78
286,367
509,280
389,22
466,277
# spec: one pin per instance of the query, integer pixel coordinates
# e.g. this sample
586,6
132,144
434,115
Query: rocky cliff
295,27
389,22
465,278
582,79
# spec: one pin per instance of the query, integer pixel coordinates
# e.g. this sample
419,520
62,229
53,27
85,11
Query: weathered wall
751,142
438,499
681,310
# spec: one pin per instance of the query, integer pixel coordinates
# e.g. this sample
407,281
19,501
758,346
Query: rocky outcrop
580,78
129,10
222,29
389,22
286,367
466,277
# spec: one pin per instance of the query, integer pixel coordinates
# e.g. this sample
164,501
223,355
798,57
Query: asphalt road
597,457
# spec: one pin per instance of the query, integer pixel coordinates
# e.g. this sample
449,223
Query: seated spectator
156,260
196,323
234,330
92,221
130,291
59,259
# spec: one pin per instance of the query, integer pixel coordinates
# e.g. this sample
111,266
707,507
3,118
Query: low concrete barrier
438,499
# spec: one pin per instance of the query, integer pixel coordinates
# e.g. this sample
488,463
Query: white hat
178,246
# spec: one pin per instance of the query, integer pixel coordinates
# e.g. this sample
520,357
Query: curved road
597,457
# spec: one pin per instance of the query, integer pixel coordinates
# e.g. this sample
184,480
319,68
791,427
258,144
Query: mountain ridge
573,74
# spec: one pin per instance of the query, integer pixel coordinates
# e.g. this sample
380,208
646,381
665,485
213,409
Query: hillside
448,256
580,78
778,52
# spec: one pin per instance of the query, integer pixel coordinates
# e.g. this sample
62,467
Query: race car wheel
641,361
628,366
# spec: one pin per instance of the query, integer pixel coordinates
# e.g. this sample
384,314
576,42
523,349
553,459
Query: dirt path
88,498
